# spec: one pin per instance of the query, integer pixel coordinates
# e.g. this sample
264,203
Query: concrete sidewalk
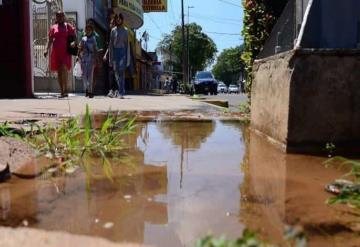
25,237
37,108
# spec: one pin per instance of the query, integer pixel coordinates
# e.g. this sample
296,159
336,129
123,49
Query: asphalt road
234,99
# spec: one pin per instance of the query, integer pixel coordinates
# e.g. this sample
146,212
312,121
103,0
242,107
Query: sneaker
121,97
91,95
111,94
116,94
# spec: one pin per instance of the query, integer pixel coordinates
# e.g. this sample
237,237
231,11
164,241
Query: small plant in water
247,240
293,236
330,148
346,192
74,140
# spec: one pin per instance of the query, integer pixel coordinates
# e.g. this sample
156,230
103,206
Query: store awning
131,10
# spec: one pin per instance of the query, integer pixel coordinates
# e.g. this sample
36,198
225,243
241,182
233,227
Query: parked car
234,88
222,88
205,83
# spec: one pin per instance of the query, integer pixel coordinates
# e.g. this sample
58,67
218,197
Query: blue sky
220,19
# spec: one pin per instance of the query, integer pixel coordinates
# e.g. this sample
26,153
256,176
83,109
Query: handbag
71,38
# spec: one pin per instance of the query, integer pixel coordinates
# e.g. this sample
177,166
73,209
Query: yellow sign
155,6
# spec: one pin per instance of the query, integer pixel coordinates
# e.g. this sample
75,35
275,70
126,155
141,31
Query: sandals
64,95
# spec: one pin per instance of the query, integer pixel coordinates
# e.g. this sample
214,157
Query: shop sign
155,6
131,10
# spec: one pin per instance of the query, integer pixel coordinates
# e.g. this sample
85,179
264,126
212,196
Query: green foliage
6,130
201,53
293,236
245,107
187,88
228,65
349,192
330,148
259,18
247,240
71,142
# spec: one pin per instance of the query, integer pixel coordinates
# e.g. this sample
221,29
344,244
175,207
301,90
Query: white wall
78,6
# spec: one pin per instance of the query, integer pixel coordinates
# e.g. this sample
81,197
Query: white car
233,89
222,88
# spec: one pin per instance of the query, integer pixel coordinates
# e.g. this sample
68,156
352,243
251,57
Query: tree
228,66
259,18
201,53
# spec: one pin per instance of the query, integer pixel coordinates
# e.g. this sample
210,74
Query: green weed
247,240
226,110
245,107
349,192
74,140
293,236
330,148
6,130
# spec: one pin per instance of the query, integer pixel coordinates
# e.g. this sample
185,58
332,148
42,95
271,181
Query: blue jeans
88,76
120,80
119,66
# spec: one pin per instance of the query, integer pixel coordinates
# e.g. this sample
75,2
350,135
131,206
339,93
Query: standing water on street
178,182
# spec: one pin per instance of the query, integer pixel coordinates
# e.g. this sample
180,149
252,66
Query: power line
237,34
151,36
230,3
217,17
220,22
172,11
156,25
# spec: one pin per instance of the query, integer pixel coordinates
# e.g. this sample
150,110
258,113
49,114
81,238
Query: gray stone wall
306,98
270,96
325,98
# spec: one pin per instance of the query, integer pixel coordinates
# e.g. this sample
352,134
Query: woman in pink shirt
60,59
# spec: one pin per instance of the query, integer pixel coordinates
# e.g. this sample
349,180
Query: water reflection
178,182
281,190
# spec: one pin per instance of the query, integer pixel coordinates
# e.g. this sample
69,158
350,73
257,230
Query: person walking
113,91
118,51
60,59
87,56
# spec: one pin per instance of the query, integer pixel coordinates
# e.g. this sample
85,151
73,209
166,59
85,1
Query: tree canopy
202,49
259,18
229,65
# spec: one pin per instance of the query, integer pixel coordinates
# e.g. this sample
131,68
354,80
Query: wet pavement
179,181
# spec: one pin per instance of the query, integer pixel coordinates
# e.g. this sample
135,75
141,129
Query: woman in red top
60,59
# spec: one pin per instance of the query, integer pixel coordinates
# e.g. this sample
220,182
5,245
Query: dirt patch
16,153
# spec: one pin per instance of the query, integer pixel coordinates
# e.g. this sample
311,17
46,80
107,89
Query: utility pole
185,80
188,46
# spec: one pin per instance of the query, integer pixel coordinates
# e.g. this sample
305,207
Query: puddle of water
180,181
